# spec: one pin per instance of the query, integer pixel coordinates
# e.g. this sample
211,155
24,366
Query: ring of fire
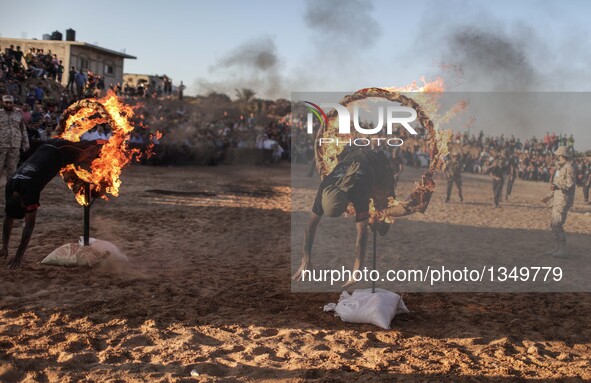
437,142
103,173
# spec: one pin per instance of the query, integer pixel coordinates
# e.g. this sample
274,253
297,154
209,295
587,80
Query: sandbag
64,255
75,254
363,306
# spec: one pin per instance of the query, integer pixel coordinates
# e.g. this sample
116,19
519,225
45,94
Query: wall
96,61
133,79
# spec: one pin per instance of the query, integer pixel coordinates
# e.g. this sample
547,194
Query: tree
245,97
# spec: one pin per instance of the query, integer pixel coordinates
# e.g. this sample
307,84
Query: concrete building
154,81
81,55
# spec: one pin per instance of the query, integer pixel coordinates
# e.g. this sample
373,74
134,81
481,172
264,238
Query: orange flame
115,154
435,86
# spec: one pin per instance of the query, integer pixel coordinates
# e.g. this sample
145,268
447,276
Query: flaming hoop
103,174
327,156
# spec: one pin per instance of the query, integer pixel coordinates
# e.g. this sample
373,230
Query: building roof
104,50
77,43
160,76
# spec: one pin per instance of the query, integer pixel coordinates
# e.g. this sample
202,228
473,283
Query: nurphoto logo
388,117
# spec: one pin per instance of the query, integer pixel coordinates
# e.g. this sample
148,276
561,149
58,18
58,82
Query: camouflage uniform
563,199
453,171
13,138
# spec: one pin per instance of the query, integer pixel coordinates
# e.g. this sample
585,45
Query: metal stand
87,215
375,240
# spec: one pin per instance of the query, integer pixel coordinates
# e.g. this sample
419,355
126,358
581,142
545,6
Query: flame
427,95
115,154
435,86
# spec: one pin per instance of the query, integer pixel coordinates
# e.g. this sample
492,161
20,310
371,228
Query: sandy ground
208,288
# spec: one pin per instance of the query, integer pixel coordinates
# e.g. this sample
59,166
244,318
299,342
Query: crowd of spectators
190,133
533,157
18,66
144,89
188,137
41,116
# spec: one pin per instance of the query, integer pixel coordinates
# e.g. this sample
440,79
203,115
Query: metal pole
375,239
87,215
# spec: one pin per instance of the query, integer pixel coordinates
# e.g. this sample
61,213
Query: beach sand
208,288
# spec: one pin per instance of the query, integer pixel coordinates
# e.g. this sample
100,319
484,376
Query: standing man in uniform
563,195
512,166
453,172
498,170
13,136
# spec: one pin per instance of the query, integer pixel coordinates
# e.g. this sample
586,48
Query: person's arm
360,244
360,249
571,179
15,261
309,235
447,172
6,231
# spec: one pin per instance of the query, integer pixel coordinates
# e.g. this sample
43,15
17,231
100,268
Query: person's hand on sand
14,262
306,265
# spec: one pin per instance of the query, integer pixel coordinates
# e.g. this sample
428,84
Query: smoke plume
343,23
254,64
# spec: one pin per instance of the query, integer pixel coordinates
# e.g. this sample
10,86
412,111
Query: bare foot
300,273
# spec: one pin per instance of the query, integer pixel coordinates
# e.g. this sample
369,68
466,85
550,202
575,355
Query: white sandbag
363,306
75,254
64,255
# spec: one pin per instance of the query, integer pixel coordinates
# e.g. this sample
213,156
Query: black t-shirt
396,163
43,165
372,168
18,56
499,168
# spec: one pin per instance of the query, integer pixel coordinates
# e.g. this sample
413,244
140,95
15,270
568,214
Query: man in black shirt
453,172
71,80
23,189
361,174
512,170
498,170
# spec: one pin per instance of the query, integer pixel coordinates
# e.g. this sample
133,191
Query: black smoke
254,64
490,59
258,54
343,23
